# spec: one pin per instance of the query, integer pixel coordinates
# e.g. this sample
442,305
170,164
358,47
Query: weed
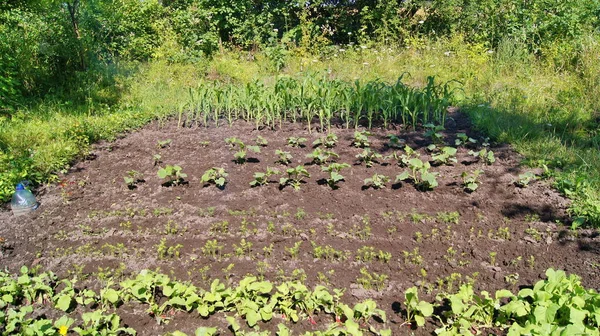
493,258
163,143
219,228
212,249
206,212
534,234
413,257
243,249
165,252
532,218
449,217
294,250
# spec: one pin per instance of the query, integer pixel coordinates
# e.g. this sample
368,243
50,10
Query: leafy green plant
285,158
446,155
372,280
416,310
320,156
395,142
463,140
404,159
334,173
132,179
525,179
329,141
471,180
242,149
263,178
369,157
216,176
377,181
173,173
157,159
361,139
420,175
296,142
163,143
295,177
260,141
434,132
484,155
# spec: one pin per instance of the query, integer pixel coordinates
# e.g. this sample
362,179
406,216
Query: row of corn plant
317,99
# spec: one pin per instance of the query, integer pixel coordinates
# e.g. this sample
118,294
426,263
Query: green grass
545,107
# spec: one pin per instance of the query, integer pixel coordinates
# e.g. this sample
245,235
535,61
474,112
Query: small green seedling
295,177
216,176
263,178
487,156
320,156
525,179
416,310
334,173
133,177
240,155
395,142
285,158
174,173
420,175
296,142
157,159
404,159
260,141
447,156
369,157
463,140
328,141
163,143
471,181
377,181
434,132
361,139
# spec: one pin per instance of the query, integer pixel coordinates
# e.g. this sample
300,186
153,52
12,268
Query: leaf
420,320
64,302
405,175
252,318
162,173
111,295
204,331
220,181
425,308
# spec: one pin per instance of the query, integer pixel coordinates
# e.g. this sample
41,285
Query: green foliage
173,173
320,156
216,176
369,157
420,175
329,141
334,173
484,155
263,178
377,181
446,155
296,142
525,179
242,148
285,158
471,181
295,177
361,139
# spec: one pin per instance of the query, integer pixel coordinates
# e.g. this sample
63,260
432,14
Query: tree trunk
72,7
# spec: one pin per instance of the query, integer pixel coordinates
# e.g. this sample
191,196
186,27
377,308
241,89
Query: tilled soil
93,226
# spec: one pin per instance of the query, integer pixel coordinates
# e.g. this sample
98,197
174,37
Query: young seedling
132,179
434,132
295,177
296,142
163,143
404,159
157,159
334,173
420,175
285,158
525,179
377,181
328,141
463,140
447,156
471,181
216,176
361,139
263,178
240,155
320,156
395,142
369,157
484,155
416,310
174,173
260,141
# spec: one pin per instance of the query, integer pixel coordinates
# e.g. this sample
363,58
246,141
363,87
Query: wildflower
63,330
421,22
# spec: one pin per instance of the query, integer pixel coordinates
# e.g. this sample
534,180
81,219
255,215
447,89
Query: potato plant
173,173
216,176
295,177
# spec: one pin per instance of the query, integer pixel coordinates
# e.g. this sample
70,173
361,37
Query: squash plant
420,175
242,149
173,173
295,177
216,176
334,173
377,181
320,156
261,178
328,141
369,157
361,139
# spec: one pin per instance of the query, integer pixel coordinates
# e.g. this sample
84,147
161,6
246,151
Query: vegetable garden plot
371,213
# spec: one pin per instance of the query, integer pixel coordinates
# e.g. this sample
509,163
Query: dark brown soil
92,225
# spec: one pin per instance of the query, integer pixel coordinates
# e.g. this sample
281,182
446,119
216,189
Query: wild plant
484,155
295,177
334,173
446,155
373,280
471,180
173,173
165,251
369,157
244,249
263,178
329,141
296,142
361,139
320,156
285,158
294,250
212,249
377,181
420,175
216,176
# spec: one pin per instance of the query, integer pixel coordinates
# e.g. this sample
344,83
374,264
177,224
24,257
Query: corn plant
263,178
329,141
471,181
420,175
369,157
216,176
295,177
446,155
296,142
377,181
334,173
285,158
320,156
361,139
173,173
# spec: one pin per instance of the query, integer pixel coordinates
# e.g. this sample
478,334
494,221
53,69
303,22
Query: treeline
51,46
